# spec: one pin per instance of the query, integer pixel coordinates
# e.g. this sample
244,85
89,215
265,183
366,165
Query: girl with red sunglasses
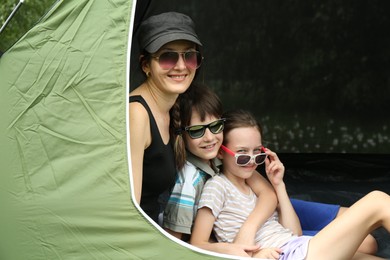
227,201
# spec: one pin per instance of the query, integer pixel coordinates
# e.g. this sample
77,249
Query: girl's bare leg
369,245
362,256
343,236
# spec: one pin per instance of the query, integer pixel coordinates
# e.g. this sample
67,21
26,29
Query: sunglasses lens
192,59
168,60
243,159
196,131
260,158
216,127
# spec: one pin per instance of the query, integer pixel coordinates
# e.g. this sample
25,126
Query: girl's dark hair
236,119
197,98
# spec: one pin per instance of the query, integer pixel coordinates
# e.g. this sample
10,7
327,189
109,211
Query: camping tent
65,189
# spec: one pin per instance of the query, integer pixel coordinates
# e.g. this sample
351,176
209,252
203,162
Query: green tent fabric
65,189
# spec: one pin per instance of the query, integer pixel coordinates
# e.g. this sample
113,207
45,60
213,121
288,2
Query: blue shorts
295,249
314,216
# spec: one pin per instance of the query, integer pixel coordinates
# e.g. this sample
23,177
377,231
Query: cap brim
155,45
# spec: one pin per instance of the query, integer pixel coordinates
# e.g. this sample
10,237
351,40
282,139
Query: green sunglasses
197,131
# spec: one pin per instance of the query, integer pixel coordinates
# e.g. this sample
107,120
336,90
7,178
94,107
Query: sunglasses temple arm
227,150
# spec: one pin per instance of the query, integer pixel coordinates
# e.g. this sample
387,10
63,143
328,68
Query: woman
170,57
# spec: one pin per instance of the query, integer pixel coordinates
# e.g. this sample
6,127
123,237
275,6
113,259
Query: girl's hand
274,168
241,250
268,253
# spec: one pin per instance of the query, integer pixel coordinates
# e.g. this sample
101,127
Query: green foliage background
27,15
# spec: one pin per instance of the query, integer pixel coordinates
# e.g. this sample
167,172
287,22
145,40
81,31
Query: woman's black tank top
158,167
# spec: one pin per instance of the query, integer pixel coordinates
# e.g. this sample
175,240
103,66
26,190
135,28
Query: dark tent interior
316,76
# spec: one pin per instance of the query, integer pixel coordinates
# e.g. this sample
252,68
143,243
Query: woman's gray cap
160,29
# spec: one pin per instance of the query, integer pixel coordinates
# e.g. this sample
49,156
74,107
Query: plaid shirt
180,211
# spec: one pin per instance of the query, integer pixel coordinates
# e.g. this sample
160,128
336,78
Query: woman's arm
275,172
201,232
140,139
265,206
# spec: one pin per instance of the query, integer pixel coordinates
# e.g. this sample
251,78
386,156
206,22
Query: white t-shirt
231,208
